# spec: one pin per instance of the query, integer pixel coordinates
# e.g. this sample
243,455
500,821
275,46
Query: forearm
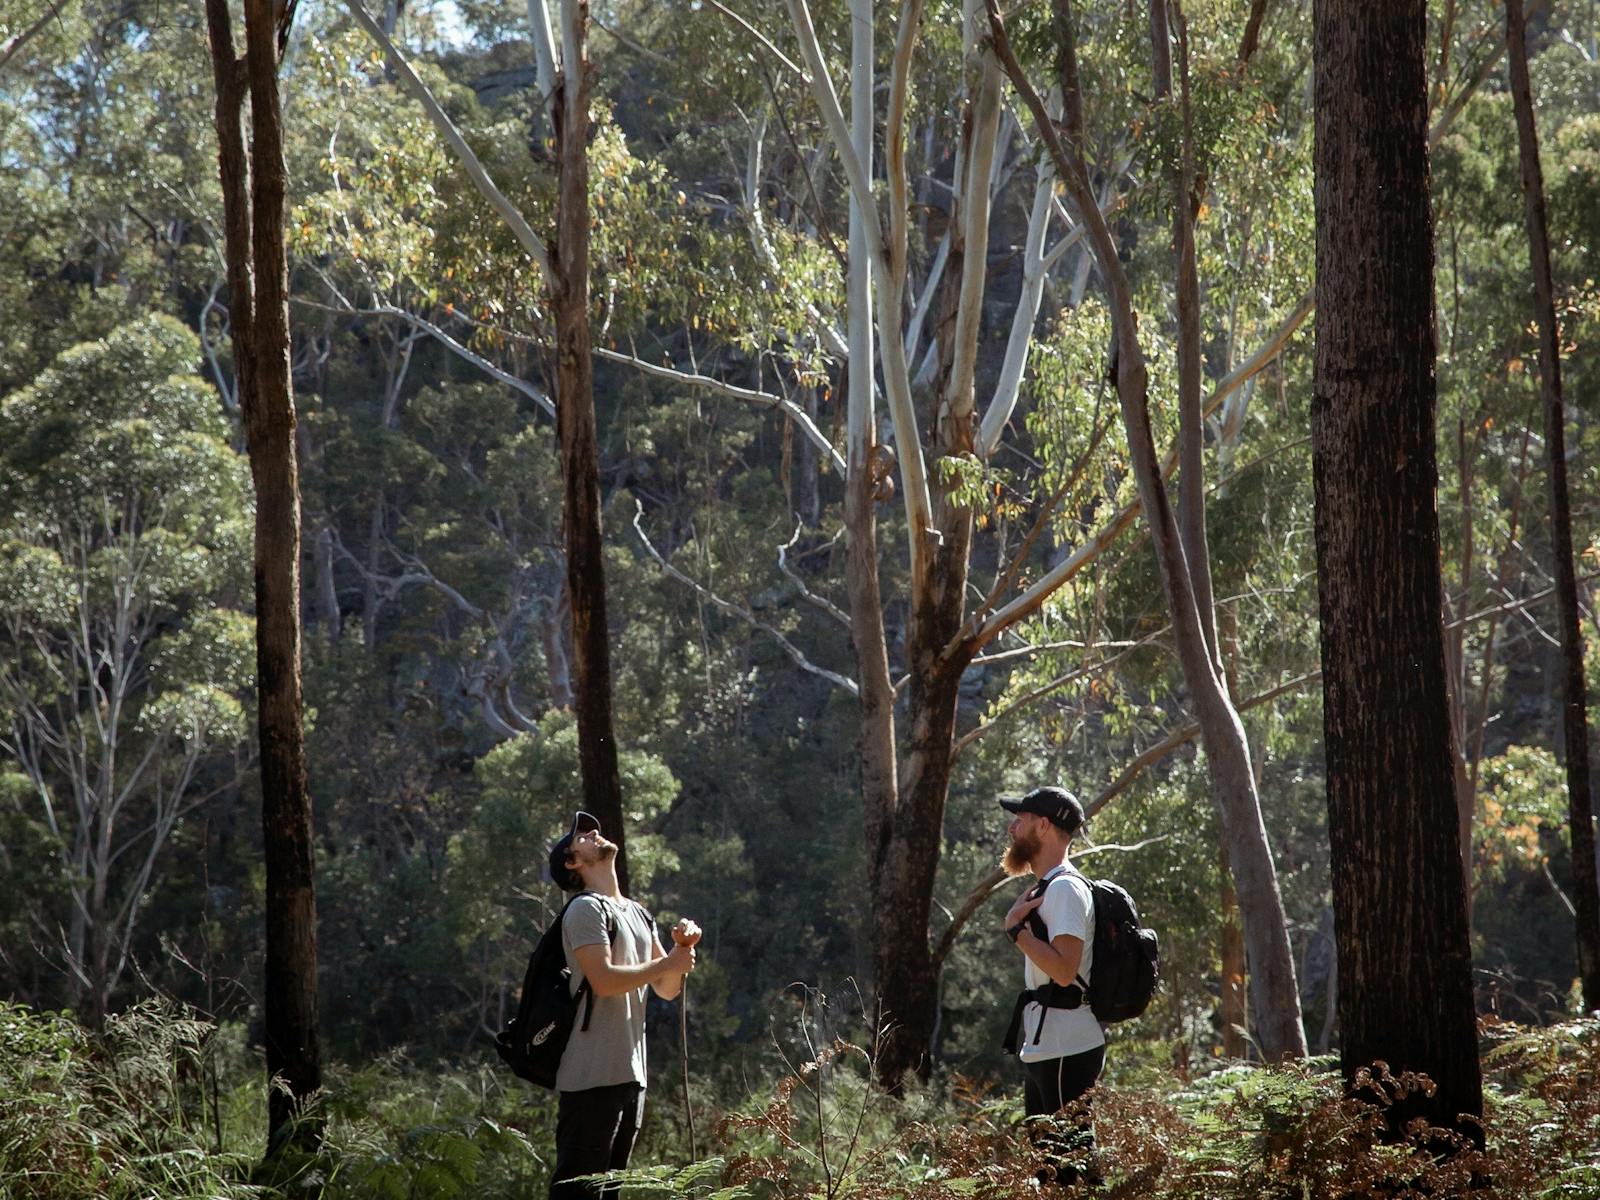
612,979
669,986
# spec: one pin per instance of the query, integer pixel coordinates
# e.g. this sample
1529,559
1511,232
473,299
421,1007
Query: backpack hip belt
1046,996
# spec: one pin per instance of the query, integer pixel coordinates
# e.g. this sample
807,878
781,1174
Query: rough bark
1574,707
580,450
1275,994
253,185
1398,888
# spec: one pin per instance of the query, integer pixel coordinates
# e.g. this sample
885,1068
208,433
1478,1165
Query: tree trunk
253,199
868,467
580,451
1191,422
906,971
1231,985
1275,994
1398,886
1231,1001
1573,698
907,980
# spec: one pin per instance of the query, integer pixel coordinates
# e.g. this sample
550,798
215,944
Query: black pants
595,1129
1049,1085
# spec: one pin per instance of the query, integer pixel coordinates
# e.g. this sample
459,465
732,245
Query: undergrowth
163,1105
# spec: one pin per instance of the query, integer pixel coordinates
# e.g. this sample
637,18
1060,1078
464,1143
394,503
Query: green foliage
440,760
531,787
125,535
123,1117
154,1109
1524,804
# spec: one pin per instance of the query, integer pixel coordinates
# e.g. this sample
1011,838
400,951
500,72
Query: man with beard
1060,1042
611,942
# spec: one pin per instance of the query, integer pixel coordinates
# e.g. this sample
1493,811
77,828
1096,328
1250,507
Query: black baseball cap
1058,804
563,876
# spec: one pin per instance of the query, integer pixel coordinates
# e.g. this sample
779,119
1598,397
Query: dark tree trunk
1574,706
906,976
580,451
805,490
253,197
1398,886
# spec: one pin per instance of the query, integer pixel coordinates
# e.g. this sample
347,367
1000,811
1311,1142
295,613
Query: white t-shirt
1068,907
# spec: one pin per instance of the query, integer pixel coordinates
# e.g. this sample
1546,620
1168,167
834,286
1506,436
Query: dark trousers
1051,1084
595,1129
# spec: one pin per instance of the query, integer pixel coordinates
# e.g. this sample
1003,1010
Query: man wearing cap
1053,1030
610,941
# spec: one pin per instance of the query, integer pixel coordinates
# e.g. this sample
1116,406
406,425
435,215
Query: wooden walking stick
683,1047
686,933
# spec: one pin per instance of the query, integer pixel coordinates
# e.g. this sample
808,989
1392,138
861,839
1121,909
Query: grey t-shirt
612,1049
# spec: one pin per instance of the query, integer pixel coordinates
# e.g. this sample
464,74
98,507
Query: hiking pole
683,1048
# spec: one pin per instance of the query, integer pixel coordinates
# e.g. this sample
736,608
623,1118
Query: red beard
1020,854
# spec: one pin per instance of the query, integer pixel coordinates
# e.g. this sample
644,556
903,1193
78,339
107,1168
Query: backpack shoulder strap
1035,921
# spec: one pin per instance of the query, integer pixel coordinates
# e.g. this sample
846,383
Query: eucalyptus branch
821,602
17,41
895,141
1477,79
1518,605
470,163
765,399
1053,685
766,42
1182,736
461,351
897,380
758,226
740,611
983,630
1008,576
930,288
1046,647
1004,400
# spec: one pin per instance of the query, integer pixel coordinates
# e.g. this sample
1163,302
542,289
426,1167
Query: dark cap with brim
1058,804
563,876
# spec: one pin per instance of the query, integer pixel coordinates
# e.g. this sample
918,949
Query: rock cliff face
494,86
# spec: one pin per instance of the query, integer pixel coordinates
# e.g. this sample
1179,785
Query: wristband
1016,930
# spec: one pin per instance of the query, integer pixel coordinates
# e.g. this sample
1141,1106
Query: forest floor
165,1105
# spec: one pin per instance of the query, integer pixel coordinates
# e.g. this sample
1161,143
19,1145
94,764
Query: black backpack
1126,965
535,1039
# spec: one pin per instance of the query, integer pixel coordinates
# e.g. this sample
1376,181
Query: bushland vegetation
867,567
